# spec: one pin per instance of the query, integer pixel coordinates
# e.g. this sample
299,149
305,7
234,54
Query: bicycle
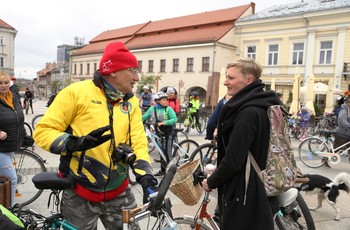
189,122
36,120
157,207
315,152
324,123
294,129
207,154
179,135
34,220
28,129
27,163
293,213
182,149
26,105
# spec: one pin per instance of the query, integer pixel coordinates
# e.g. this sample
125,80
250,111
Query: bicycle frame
203,214
333,156
156,139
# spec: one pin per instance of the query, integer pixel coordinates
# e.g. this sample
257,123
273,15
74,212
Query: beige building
312,35
187,52
7,48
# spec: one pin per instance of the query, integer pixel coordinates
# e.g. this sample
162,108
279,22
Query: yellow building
311,35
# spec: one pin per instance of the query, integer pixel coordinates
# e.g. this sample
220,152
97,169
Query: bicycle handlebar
157,202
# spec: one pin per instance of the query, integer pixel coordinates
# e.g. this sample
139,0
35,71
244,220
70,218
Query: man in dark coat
243,125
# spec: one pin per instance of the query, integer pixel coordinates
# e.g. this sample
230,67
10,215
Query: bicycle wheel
27,164
36,120
299,218
184,149
28,129
202,123
206,153
189,223
180,136
310,152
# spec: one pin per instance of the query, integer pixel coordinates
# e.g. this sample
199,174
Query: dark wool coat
12,122
243,125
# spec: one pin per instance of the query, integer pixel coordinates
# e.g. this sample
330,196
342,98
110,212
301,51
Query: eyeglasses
134,70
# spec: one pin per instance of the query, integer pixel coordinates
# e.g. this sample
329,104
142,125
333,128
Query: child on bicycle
165,118
194,107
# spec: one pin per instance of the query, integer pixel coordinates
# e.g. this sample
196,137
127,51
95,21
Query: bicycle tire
36,120
207,154
291,221
202,123
27,164
184,149
189,222
28,129
308,152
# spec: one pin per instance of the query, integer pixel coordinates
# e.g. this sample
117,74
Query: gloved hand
89,141
149,186
189,105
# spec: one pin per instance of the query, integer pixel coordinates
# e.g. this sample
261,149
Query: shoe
160,173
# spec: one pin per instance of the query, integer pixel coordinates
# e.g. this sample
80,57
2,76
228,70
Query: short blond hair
247,66
4,76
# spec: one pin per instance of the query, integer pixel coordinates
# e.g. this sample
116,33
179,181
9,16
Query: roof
5,25
298,8
191,29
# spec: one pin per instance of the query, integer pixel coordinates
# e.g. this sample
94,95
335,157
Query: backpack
281,169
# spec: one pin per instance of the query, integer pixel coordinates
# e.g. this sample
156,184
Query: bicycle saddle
51,180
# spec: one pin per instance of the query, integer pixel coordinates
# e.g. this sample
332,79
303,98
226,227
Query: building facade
187,52
7,48
312,35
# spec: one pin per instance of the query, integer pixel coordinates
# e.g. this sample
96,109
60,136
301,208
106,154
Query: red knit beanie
116,57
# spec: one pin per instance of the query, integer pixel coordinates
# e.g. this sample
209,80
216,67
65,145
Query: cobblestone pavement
324,217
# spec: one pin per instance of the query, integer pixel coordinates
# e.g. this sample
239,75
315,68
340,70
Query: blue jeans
8,169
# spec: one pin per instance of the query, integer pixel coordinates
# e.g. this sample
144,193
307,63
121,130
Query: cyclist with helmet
165,119
146,99
194,107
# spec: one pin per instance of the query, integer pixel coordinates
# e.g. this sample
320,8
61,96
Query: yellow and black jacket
82,107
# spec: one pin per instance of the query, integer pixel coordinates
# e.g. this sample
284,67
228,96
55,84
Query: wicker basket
182,184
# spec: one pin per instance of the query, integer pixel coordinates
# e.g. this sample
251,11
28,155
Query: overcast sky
42,25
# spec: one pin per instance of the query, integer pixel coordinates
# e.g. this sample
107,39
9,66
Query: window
175,65
325,52
162,65
189,67
75,69
140,65
150,66
205,64
298,54
273,54
251,52
95,67
2,41
81,69
88,68
2,65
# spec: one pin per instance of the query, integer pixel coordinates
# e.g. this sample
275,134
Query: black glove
189,105
149,186
89,141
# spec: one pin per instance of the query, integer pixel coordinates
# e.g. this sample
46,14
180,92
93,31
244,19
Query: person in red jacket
173,102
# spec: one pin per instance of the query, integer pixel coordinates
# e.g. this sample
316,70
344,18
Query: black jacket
12,122
243,125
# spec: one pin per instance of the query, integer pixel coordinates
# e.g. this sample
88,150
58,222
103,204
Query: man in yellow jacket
96,127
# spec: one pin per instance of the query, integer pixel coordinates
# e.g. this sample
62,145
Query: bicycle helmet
145,87
160,95
195,93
